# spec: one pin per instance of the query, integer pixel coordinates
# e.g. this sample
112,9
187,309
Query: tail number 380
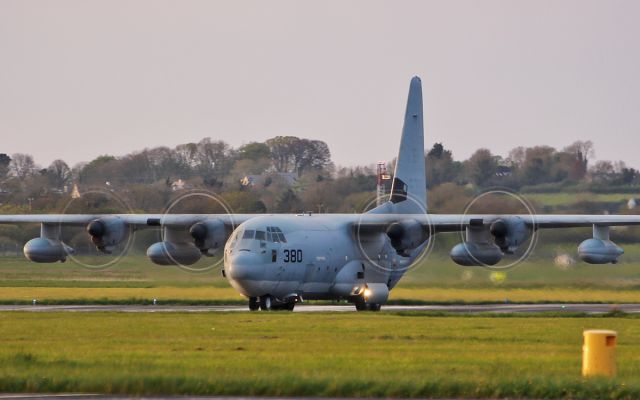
292,256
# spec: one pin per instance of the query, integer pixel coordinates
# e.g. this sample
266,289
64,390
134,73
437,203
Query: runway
71,396
460,309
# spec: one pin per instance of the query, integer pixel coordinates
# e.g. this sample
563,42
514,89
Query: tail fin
409,189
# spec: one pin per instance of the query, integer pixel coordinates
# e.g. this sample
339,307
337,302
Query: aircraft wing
135,220
488,236
434,222
457,222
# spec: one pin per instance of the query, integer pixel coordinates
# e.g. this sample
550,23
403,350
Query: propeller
202,203
508,232
109,234
399,246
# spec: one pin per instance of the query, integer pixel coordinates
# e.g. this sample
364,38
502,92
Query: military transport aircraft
277,260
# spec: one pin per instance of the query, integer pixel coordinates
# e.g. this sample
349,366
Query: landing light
367,293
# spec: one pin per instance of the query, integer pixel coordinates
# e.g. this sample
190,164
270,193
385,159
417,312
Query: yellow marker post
599,353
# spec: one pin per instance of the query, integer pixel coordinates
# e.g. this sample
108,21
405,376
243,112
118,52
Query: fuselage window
281,237
248,234
274,255
260,235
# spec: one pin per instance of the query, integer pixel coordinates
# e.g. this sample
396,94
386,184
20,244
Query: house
265,179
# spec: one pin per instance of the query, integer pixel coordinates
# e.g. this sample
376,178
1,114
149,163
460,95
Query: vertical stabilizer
409,189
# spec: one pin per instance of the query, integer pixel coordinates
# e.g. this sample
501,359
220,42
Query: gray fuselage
308,256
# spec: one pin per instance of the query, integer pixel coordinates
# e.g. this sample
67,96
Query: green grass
437,280
557,199
134,271
284,354
401,295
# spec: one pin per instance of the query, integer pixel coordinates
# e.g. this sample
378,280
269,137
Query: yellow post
599,353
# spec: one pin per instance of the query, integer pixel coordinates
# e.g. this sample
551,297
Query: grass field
284,354
401,295
278,354
556,199
135,280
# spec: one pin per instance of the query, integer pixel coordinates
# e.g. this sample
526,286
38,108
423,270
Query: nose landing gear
254,304
266,302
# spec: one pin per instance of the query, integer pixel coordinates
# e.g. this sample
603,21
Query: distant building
180,185
265,179
631,204
75,193
504,170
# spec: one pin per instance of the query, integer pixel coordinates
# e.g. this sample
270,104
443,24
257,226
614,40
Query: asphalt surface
71,396
102,397
66,396
463,309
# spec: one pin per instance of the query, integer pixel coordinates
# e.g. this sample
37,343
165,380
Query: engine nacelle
406,235
169,253
509,233
107,232
43,250
209,236
476,254
599,251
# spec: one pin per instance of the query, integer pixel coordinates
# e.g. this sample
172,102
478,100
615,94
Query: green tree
537,165
254,151
292,154
481,167
59,174
582,152
287,201
440,167
22,165
5,161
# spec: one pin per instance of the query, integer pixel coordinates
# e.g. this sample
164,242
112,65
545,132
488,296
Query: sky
82,78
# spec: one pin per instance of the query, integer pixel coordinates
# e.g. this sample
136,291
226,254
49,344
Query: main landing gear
361,305
268,303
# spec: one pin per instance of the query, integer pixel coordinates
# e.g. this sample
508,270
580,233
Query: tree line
529,167
295,174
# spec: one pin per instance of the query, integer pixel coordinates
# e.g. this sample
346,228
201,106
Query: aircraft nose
245,266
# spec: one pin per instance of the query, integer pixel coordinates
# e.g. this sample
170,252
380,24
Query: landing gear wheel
254,304
362,306
266,302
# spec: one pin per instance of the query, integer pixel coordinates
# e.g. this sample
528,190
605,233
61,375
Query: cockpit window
260,235
248,234
274,234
